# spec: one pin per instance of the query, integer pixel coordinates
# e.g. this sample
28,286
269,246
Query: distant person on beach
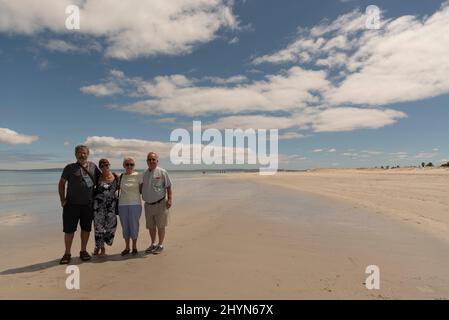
81,178
130,204
157,194
105,220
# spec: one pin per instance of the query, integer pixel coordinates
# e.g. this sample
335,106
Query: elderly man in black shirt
81,178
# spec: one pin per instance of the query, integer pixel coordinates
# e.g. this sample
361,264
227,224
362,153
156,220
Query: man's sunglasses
151,159
103,165
129,164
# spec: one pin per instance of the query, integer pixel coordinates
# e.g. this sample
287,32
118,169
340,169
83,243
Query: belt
156,202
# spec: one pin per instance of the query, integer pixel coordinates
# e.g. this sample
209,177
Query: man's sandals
65,259
85,256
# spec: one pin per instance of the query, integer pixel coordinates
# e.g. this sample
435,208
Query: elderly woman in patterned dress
105,220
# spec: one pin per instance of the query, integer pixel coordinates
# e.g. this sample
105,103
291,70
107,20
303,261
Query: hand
168,203
63,203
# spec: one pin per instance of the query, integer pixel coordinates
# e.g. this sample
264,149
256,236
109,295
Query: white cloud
372,152
406,60
347,119
426,155
60,45
293,89
319,41
8,136
102,90
400,155
331,150
234,40
120,148
230,80
252,122
57,45
286,92
293,158
357,73
290,136
131,29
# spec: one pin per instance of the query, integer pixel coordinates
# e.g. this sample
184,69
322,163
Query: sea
31,196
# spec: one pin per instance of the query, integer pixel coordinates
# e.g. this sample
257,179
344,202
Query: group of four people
92,195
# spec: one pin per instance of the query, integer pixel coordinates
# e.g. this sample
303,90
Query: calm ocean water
34,194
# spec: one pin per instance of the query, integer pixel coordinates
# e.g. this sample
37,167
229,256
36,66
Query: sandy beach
416,196
302,235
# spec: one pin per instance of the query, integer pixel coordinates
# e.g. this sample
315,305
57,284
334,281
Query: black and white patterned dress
105,220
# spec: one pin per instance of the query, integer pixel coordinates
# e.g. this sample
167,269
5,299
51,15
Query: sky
344,86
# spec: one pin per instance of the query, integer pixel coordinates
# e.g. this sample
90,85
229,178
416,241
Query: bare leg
153,235
127,244
84,239
161,234
134,244
68,239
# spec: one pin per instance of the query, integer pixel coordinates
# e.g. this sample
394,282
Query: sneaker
150,249
158,249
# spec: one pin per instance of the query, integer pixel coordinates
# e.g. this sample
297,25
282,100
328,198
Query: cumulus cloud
120,148
57,45
131,29
293,89
102,90
8,136
230,80
347,119
403,61
356,73
319,41
318,120
291,135
252,122
117,149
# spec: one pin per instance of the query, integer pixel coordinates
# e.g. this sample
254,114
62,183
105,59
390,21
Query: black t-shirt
80,186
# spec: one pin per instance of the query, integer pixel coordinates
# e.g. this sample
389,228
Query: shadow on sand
75,261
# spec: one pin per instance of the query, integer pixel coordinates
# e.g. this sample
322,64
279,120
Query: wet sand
237,237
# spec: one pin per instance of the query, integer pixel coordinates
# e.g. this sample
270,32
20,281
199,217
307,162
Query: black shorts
72,213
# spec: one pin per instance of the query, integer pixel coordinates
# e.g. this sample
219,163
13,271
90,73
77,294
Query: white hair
128,159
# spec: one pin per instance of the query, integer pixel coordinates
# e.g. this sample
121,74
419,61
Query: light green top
129,189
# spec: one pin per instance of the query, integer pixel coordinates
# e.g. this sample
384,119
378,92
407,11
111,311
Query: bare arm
169,195
61,190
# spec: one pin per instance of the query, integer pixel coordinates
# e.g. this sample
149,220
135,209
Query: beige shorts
156,215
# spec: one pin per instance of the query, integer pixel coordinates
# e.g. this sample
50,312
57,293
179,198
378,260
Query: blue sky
340,95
